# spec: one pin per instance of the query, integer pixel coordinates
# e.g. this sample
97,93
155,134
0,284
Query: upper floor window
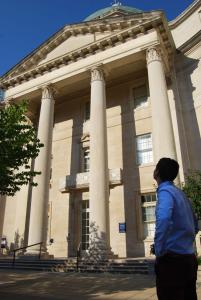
86,160
140,96
87,111
144,149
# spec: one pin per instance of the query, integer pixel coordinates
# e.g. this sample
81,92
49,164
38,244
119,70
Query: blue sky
25,24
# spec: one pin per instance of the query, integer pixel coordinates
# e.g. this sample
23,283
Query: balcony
81,180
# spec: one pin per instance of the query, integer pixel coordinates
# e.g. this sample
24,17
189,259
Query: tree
18,146
192,188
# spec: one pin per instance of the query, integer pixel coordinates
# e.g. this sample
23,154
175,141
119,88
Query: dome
101,13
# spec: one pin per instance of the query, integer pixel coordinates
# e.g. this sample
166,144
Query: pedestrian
176,227
4,245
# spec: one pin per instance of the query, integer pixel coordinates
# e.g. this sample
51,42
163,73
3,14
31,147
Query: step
70,265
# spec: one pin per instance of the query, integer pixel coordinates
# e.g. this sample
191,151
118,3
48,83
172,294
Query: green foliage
18,145
192,188
199,260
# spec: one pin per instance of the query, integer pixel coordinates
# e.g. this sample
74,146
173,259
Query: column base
99,253
36,251
35,255
99,248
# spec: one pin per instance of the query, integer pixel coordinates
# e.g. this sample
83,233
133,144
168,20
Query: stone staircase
21,263
122,266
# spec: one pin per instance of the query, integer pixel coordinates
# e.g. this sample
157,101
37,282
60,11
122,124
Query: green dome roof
99,13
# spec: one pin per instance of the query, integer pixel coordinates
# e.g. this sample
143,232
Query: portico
98,181
120,67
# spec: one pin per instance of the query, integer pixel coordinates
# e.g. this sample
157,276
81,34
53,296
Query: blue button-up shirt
176,225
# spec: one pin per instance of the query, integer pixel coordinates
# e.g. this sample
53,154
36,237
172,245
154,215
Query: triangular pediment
71,44
76,41
67,40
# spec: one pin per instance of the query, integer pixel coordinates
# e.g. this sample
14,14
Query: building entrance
85,225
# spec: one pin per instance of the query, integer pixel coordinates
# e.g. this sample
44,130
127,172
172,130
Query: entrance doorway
85,225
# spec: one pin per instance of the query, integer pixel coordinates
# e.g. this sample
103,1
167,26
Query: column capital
97,73
48,92
153,54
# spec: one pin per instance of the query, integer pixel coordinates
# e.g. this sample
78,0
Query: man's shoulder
166,186
175,192
170,188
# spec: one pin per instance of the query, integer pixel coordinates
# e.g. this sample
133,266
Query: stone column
40,194
2,213
162,131
99,181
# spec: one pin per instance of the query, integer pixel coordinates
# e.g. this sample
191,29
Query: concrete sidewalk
21,285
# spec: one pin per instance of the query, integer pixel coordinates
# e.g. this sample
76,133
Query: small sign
122,227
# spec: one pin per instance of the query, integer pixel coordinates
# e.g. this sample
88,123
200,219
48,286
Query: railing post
78,256
40,251
77,263
15,250
13,264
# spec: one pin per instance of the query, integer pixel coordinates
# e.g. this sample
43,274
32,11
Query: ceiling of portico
73,88
120,72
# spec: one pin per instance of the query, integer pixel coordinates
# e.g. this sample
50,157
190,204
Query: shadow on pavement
32,286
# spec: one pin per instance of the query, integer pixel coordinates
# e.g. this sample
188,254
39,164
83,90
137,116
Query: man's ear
156,174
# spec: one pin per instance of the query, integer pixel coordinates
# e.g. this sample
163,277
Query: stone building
110,96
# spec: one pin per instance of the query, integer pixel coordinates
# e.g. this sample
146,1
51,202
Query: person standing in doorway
176,227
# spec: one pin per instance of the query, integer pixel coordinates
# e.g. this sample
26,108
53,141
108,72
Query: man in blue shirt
176,227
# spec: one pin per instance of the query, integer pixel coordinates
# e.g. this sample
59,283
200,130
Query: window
148,202
144,149
140,96
86,160
87,111
85,225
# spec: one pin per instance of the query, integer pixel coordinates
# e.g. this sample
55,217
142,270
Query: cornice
88,27
56,39
192,44
129,29
185,14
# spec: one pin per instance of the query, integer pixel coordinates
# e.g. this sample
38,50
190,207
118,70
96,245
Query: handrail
15,250
78,255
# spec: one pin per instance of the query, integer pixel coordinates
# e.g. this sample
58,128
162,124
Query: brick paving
21,285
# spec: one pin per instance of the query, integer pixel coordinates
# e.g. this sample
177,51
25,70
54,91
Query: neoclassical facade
109,97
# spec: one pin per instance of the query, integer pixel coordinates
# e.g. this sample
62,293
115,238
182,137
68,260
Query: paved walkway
21,285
